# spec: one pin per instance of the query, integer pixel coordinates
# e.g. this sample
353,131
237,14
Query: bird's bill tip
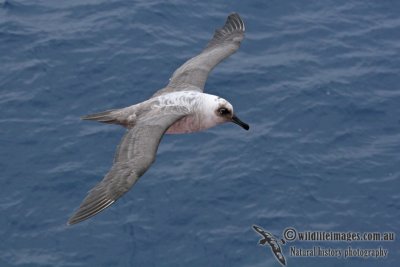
242,124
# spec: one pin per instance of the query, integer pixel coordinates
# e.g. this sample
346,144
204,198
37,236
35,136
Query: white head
218,111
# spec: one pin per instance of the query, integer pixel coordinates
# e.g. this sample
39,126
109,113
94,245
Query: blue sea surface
318,82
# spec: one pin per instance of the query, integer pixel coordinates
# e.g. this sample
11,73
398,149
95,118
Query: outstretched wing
134,156
193,74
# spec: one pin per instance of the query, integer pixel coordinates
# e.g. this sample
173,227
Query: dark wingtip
89,209
71,222
236,21
257,228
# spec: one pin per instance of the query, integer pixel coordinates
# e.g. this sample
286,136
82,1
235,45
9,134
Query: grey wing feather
134,156
192,75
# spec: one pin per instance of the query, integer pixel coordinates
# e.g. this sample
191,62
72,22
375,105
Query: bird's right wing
133,157
192,75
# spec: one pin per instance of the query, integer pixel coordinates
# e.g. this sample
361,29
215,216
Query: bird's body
180,107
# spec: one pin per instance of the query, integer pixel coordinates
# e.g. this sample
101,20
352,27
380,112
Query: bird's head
223,112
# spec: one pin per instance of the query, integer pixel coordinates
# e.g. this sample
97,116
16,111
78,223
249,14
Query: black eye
223,111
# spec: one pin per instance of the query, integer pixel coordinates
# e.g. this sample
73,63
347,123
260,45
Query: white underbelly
188,124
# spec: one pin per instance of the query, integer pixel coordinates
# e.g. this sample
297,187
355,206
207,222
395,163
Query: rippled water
318,81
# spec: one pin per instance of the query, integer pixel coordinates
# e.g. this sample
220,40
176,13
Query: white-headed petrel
180,107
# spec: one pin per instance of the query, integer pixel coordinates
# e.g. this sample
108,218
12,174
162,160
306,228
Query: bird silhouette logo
273,242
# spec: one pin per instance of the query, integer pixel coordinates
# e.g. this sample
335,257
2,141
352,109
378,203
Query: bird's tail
108,116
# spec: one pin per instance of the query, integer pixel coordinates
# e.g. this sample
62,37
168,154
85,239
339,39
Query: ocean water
318,82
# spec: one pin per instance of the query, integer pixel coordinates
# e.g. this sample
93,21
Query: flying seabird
272,242
180,107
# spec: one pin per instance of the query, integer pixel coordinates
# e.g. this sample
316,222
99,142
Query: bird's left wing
192,75
133,157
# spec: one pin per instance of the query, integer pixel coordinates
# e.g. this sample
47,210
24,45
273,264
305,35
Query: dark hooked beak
240,123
